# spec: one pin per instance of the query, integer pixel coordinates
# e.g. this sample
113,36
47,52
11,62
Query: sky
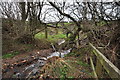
50,17
61,0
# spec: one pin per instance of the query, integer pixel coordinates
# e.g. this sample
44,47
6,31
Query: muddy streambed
31,65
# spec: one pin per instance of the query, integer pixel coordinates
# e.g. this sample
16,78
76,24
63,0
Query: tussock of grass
64,68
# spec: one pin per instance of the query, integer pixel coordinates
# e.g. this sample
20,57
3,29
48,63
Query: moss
9,55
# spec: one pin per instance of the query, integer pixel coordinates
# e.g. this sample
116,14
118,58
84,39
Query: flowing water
34,68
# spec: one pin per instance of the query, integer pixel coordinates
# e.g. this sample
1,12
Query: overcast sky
61,0
51,15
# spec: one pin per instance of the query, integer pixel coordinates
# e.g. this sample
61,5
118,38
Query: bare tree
68,16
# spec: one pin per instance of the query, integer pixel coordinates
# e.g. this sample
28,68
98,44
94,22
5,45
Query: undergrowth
66,68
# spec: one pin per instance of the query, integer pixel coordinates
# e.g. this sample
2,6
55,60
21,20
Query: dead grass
64,68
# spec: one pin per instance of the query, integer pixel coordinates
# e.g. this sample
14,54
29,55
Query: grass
63,72
9,55
51,38
66,68
82,63
65,23
68,23
101,23
70,54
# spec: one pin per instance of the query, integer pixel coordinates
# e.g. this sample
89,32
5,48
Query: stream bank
39,63
18,63
27,64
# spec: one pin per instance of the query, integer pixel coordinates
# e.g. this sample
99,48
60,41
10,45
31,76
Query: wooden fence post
46,33
110,68
98,68
93,68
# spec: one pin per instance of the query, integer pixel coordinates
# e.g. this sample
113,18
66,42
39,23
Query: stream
33,69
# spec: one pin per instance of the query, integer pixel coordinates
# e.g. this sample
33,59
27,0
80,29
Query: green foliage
9,55
70,54
68,23
49,24
29,45
40,35
101,23
70,77
59,36
82,63
63,72
59,24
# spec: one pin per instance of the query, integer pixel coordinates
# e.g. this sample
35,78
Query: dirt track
17,64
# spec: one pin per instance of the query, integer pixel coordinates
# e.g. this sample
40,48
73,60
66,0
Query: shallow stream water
34,68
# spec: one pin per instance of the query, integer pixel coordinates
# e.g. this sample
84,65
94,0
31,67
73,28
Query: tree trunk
23,13
46,33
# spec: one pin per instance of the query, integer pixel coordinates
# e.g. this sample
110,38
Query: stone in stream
16,71
40,63
34,71
54,54
43,58
30,67
17,75
8,66
19,64
5,70
38,52
67,51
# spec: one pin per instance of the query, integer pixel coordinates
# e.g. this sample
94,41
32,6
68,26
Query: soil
16,64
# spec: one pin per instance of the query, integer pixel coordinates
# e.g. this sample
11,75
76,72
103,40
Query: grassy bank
51,38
